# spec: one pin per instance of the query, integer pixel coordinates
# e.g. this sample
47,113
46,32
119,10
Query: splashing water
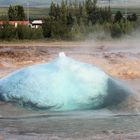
61,85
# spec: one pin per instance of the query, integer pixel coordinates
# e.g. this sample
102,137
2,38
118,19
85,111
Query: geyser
61,85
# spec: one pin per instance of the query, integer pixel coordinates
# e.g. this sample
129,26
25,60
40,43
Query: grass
130,10
38,12
3,10
43,11
35,12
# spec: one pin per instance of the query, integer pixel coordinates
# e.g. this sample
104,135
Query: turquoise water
63,84
37,103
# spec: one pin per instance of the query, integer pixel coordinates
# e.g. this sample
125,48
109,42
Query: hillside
42,11
32,3
46,3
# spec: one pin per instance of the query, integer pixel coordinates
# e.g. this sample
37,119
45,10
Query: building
36,23
15,23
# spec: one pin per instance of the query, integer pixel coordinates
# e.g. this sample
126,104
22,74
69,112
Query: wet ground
119,59
80,126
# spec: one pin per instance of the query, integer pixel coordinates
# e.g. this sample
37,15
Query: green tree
63,13
132,17
91,10
75,32
84,16
53,10
118,17
16,13
57,12
73,19
70,20
47,26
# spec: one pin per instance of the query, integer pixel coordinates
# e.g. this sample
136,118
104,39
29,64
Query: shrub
8,31
37,33
25,32
116,30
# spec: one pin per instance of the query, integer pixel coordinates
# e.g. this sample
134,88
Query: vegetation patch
72,21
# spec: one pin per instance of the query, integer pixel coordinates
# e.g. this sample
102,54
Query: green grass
3,10
38,12
34,12
43,12
130,10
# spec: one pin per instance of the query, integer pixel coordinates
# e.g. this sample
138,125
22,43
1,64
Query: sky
122,3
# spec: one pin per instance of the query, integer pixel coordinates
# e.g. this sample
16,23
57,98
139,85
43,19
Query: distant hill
32,3
23,2
46,3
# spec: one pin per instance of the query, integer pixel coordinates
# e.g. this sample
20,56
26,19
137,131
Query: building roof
36,22
15,22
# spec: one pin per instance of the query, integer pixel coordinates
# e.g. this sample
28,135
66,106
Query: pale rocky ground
119,59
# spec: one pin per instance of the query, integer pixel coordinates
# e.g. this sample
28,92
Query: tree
63,13
132,17
57,12
91,10
84,16
75,32
53,11
16,13
20,13
70,20
47,26
11,13
118,17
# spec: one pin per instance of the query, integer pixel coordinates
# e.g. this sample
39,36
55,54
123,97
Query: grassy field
43,12
130,10
34,12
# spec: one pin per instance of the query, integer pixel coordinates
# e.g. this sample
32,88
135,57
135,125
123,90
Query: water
17,123
111,122
85,125
63,84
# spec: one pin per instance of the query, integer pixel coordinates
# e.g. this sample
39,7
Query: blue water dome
63,84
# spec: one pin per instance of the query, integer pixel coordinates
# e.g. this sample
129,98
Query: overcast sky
122,3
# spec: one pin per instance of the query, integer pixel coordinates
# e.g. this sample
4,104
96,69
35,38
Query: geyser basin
61,85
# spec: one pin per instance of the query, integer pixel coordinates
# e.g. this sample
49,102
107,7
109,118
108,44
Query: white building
36,23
